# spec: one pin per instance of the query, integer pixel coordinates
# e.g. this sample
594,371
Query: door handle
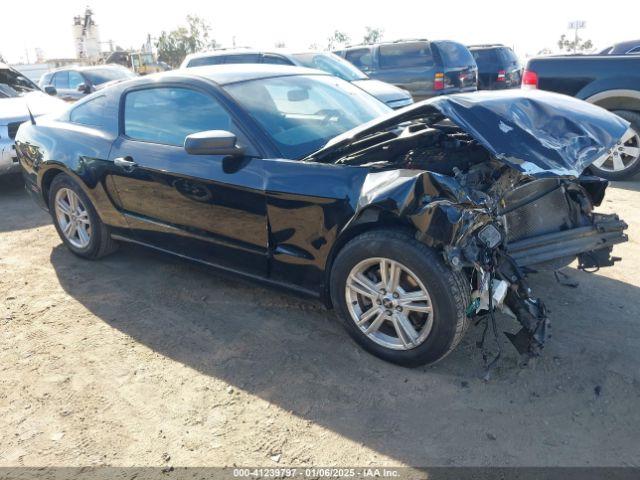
126,163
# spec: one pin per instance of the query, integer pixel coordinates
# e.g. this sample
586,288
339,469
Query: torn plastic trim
537,133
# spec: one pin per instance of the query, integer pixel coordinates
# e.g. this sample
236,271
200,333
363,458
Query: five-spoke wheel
73,218
389,303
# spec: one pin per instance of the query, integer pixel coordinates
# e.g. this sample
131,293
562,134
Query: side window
46,79
360,57
75,79
242,58
90,112
168,114
402,55
199,62
275,60
61,80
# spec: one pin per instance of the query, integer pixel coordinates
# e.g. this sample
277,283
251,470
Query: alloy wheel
73,218
389,303
623,155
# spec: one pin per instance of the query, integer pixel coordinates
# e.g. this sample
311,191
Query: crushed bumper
605,232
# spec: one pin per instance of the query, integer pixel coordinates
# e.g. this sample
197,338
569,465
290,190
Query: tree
373,35
337,39
575,46
279,45
544,51
173,46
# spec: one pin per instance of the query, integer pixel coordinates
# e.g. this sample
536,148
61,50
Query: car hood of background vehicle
384,92
537,133
15,109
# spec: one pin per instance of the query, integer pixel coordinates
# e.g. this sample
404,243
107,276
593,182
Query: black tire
100,243
448,290
634,119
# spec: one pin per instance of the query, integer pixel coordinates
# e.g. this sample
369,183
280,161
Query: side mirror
212,142
83,88
50,90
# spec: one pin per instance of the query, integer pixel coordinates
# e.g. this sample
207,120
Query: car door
207,207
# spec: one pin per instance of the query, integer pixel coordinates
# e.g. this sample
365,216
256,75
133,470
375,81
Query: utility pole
575,26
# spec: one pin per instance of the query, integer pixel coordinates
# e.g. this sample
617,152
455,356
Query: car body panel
583,76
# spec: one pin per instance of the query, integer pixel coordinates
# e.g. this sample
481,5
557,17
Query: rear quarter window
91,112
402,55
455,54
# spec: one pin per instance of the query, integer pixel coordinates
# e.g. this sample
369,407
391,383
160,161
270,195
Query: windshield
102,75
301,113
331,63
14,84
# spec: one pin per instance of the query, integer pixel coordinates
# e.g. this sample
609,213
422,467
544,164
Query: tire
631,168
99,241
447,290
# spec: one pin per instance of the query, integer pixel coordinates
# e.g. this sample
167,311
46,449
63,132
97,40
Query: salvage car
409,222
19,97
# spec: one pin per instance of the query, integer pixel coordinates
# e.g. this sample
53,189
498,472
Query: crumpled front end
499,184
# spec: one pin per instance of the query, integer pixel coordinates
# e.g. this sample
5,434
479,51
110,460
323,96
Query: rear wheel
397,298
624,162
77,221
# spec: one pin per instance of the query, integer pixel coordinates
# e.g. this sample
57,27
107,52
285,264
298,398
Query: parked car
298,179
326,61
611,82
18,96
630,47
424,68
498,67
73,83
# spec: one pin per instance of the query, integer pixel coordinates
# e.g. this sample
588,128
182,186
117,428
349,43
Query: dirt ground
141,359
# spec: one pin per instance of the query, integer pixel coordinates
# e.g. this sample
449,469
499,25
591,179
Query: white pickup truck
18,96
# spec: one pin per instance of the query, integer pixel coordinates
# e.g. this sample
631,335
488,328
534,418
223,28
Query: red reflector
502,75
530,79
438,81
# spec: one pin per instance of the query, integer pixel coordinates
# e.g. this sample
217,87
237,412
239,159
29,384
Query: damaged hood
538,133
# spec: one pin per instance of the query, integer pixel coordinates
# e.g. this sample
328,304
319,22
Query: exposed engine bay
494,217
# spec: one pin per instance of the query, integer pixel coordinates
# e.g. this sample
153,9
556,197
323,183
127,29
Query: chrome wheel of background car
625,154
73,218
389,303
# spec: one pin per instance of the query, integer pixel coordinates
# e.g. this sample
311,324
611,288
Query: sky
527,27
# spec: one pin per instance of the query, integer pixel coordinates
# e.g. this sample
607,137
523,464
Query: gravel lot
142,359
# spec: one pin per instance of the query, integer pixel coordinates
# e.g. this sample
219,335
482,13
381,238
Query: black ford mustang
409,223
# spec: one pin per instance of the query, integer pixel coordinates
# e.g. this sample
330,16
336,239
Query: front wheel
77,221
397,298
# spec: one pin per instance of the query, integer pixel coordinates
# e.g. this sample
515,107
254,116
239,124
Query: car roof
240,72
251,51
